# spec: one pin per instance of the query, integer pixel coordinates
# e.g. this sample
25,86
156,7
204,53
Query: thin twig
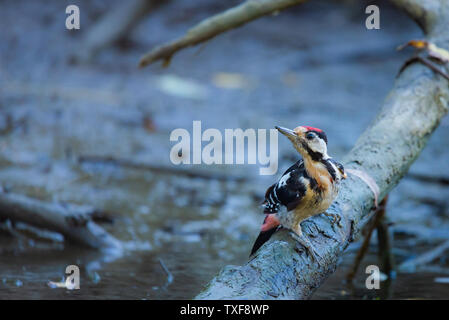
380,213
385,253
170,277
425,62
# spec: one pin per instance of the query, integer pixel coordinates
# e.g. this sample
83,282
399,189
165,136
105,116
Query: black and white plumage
307,188
288,191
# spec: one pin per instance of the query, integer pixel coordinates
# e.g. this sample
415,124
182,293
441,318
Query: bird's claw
308,246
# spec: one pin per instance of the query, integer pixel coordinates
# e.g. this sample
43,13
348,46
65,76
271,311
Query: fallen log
72,221
281,269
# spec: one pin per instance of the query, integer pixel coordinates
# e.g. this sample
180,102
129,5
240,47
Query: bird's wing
288,191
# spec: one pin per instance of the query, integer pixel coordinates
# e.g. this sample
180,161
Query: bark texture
281,269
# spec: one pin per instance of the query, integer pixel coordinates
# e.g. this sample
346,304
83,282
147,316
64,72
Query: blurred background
81,124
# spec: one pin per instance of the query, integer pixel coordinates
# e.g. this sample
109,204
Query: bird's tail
269,227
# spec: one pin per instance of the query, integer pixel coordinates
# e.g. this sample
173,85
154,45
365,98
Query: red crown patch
312,129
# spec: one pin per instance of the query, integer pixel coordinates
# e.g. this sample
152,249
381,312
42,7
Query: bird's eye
310,136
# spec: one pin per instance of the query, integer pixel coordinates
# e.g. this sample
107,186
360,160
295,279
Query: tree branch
411,112
418,11
213,26
115,24
425,258
429,14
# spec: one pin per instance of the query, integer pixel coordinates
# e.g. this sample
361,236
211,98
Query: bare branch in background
213,26
114,25
377,219
425,258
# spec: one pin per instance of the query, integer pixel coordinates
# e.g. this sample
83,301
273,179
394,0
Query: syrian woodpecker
307,188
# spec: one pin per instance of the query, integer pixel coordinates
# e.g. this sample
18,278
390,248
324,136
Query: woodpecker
307,188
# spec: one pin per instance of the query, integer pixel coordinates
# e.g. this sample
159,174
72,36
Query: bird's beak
287,132
345,175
